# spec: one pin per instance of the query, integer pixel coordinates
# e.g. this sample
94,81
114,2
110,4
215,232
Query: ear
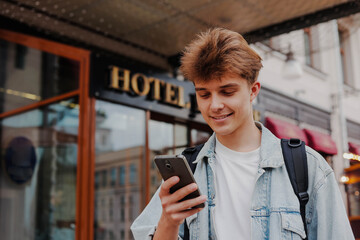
254,90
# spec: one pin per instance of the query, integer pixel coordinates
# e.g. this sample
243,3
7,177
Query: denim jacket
275,208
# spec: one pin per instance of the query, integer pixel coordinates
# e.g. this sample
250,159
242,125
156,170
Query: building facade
80,127
324,101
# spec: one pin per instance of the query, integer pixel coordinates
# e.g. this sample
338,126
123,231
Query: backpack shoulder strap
190,155
296,165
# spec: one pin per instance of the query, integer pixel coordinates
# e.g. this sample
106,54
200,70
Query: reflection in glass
199,137
113,176
164,139
37,201
29,75
120,157
161,142
181,140
122,175
133,174
353,191
161,138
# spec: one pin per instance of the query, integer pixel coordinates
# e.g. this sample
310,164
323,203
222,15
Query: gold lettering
115,79
181,101
157,84
170,94
135,85
142,85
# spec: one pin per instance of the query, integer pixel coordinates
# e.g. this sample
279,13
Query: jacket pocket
292,226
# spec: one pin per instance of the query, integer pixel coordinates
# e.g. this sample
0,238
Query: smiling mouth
221,117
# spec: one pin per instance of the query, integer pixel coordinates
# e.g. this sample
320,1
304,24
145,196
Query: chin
222,132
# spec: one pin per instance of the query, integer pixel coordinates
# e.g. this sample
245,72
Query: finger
183,192
187,213
166,185
186,205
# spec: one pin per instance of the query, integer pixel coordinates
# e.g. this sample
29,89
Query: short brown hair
218,52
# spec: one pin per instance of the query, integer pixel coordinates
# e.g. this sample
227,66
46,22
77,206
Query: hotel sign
153,88
133,84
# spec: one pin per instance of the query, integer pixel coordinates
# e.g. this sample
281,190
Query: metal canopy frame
308,20
163,48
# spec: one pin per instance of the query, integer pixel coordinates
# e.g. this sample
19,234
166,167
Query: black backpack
296,165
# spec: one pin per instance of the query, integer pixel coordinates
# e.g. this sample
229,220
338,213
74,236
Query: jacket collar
270,149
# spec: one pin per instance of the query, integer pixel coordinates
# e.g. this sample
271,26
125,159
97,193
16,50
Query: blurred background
90,92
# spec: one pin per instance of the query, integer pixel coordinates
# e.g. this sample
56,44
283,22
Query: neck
246,139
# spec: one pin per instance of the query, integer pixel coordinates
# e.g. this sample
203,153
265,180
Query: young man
240,169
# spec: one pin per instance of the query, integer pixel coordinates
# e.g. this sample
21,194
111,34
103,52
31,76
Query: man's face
226,104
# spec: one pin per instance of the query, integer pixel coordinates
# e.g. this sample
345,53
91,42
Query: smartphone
176,165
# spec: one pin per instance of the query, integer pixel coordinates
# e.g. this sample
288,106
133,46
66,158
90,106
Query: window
120,158
45,179
38,197
29,75
181,139
353,193
345,57
103,209
308,47
122,175
133,173
111,210
131,205
122,234
273,43
154,180
267,42
167,136
311,48
97,180
113,176
122,208
199,136
104,178
111,235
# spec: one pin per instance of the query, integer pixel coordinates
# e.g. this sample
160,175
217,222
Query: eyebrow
199,89
230,85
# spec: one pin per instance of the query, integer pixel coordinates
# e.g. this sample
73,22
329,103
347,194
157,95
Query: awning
321,142
354,148
283,129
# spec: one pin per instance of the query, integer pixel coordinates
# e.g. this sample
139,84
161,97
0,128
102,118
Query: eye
206,95
203,95
228,92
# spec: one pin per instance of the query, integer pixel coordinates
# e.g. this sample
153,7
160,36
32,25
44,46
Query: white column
338,121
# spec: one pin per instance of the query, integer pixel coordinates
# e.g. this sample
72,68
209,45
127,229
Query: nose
216,104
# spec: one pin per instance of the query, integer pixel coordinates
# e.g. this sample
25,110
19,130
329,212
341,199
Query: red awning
321,142
354,148
283,129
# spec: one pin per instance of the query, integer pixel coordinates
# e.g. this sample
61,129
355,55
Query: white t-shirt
235,174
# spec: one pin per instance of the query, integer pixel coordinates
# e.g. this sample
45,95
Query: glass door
119,169
38,180
42,109
169,137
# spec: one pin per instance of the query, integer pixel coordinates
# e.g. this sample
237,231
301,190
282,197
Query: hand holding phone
176,165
